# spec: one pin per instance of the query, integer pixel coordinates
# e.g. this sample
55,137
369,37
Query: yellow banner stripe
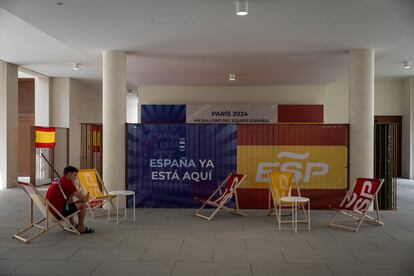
45,137
315,167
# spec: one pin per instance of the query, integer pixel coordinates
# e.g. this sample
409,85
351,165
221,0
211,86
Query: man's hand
81,197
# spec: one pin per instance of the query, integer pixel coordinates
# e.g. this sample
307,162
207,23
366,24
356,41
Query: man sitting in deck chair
220,198
61,194
356,203
47,220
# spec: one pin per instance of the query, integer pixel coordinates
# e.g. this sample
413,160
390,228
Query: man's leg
81,215
72,221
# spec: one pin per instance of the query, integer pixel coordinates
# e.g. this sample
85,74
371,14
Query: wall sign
231,114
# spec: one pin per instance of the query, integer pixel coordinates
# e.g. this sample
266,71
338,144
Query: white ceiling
198,42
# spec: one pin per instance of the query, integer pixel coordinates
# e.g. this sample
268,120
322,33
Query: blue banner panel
169,165
163,114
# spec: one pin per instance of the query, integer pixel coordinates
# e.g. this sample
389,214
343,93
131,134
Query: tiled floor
173,242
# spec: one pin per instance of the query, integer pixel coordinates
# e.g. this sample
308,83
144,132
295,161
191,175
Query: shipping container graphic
170,165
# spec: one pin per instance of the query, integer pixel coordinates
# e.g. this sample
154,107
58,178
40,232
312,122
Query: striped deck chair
356,203
219,198
98,195
48,220
280,185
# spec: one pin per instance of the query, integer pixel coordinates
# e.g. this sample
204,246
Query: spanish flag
94,142
45,137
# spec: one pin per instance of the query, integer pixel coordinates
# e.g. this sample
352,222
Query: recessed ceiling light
59,3
242,7
407,64
232,77
76,66
129,92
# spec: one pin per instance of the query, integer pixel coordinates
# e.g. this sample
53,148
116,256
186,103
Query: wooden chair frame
222,202
107,198
356,215
63,223
275,208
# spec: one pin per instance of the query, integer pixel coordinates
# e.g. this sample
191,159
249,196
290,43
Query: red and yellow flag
45,137
94,142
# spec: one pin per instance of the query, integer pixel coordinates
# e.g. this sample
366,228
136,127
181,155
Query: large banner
231,114
169,165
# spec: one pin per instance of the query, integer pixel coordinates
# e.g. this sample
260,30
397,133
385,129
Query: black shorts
69,209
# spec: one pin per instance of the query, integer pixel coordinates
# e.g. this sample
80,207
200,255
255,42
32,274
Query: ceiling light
59,3
232,77
129,92
242,7
76,66
407,64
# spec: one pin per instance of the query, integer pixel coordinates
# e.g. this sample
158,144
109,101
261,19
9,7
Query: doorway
385,119
26,120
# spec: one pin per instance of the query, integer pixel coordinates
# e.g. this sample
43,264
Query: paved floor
173,242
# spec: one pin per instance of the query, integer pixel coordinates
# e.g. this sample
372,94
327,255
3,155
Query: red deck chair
220,198
356,203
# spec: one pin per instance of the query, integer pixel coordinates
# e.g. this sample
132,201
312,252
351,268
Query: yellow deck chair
47,221
88,182
281,186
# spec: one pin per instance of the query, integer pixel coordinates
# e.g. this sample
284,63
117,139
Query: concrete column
114,118
361,113
8,125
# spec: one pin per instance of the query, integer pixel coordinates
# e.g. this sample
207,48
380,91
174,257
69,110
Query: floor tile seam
330,269
374,244
95,268
173,268
251,267
408,268
310,245
392,237
283,255
355,256
5,252
20,266
142,256
73,253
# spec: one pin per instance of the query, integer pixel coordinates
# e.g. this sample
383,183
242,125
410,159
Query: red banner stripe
293,134
46,129
45,145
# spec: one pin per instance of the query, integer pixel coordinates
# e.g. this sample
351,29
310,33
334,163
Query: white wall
336,100
85,107
60,102
335,96
73,102
42,101
388,99
231,94
132,108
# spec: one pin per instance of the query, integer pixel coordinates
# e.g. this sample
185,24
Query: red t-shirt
55,196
